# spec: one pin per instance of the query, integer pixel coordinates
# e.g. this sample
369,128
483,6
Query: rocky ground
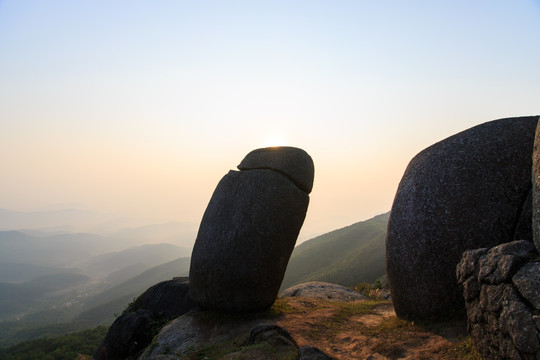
360,329
342,323
369,329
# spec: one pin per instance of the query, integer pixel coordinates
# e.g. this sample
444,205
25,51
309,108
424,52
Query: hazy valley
57,282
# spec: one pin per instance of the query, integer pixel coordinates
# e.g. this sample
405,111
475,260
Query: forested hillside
345,256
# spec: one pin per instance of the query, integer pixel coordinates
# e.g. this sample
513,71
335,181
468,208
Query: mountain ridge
345,256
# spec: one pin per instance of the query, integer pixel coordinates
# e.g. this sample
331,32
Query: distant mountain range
124,231
59,250
102,307
86,251
19,272
178,233
140,257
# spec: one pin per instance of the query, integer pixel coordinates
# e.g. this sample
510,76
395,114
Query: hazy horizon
138,109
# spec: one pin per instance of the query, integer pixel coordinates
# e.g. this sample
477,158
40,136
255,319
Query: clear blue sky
140,107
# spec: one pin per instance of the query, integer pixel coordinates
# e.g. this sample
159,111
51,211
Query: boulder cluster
468,202
463,236
242,249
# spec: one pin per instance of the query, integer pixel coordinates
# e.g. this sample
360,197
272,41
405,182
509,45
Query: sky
138,108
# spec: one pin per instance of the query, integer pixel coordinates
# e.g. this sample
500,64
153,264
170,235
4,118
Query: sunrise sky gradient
138,108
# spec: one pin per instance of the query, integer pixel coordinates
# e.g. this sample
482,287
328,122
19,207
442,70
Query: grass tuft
464,350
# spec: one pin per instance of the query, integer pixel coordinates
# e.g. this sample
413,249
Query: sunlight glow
274,140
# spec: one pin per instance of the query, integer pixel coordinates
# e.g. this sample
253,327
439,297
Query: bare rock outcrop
249,230
325,291
501,288
468,191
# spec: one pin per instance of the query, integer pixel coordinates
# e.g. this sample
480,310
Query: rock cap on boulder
293,162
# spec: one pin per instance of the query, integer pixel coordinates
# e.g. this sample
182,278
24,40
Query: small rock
312,353
272,334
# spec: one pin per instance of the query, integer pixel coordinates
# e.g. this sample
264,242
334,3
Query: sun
274,140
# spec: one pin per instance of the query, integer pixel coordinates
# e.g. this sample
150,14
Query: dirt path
370,330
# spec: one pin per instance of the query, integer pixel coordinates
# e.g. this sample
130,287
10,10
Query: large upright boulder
249,230
465,192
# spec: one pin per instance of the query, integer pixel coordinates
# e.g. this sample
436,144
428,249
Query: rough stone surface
498,286
132,332
312,353
504,260
536,189
323,290
465,192
293,162
245,240
527,282
200,329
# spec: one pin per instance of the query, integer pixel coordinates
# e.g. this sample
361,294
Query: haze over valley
57,281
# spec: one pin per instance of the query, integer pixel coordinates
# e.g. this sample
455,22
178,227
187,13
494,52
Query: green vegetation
346,256
66,347
16,299
346,310
14,332
367,289
280,306
102,307
464,350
